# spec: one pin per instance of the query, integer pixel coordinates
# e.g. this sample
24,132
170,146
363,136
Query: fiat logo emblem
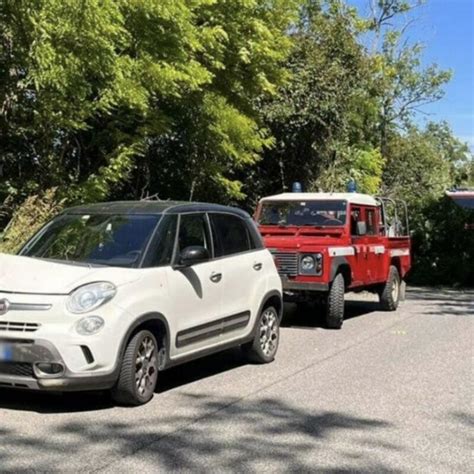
4,307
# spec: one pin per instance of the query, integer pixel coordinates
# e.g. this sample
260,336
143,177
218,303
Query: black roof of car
153,207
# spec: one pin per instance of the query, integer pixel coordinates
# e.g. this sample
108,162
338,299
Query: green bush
28,219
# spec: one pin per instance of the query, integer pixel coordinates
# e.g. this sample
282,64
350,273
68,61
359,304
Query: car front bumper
27,359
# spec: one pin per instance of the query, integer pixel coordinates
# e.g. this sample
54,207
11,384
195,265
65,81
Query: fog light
90,325
48,369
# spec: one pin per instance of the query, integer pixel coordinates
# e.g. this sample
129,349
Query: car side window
371,222
356,216
230,234
163,246
193,231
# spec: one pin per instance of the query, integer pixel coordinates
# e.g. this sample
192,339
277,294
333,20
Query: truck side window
371,222
355,218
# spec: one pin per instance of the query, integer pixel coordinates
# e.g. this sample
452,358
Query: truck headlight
311,264
89,297
307,263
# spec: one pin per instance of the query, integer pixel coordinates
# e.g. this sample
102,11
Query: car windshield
112,240
304,213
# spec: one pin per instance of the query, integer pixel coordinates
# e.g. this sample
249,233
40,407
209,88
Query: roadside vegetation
225,101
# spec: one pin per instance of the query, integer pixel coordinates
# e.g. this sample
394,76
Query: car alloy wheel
146,367
269,332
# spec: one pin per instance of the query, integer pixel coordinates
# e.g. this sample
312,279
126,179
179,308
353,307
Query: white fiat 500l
106,296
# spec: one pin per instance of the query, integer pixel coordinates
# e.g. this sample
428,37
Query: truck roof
353,198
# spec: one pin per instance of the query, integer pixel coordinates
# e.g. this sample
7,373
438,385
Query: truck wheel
264,346
335,303
139,372
390,291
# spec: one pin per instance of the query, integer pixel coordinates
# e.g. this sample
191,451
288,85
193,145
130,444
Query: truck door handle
216,277
257,266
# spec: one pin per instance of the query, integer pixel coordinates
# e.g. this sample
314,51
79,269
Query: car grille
18,369
286,262
19,327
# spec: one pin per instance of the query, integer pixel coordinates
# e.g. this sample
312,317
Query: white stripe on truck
341,251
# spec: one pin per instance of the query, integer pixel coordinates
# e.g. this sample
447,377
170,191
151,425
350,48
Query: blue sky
446,27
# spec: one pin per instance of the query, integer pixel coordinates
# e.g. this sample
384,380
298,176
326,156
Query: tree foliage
94,90
222,100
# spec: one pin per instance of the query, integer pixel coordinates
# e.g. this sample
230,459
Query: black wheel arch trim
267,297
336,264
145,318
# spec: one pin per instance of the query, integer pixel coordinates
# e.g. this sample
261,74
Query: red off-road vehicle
325,244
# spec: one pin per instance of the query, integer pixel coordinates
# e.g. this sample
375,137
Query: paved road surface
390,392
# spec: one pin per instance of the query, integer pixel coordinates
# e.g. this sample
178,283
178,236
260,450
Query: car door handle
257,266
216,277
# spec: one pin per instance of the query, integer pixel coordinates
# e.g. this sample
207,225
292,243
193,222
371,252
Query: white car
107,295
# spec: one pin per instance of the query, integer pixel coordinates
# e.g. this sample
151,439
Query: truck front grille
286,263
8,326
17,369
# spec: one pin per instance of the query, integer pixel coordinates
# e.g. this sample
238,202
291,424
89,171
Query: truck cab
325,244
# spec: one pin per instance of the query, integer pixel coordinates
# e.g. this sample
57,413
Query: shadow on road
42,402
312,316
54,403
200,369
267,432
443,301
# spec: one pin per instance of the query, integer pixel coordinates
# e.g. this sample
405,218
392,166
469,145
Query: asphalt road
389,392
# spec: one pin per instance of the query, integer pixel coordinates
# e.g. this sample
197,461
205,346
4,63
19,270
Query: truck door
359,242
375,243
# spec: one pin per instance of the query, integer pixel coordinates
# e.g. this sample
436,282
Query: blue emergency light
352,186
297,188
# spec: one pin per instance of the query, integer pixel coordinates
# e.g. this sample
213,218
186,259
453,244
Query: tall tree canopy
92,91
221,100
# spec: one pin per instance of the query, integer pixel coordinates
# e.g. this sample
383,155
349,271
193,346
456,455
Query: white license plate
6,352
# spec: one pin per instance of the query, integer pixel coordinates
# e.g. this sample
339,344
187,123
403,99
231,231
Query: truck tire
139,371
390,292
264,346
335,303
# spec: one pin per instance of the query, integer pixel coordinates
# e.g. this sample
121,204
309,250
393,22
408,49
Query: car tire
139,371
264,346
391,291
335,303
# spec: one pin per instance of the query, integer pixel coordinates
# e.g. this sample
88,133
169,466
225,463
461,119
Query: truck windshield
112,240
304,213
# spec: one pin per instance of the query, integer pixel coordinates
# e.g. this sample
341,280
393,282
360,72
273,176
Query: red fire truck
325,244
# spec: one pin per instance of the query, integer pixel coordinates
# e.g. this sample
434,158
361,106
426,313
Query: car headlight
89,325
307,263
89,297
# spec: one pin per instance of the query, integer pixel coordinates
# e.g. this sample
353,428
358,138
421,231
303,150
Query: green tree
326,107
98,95
404,84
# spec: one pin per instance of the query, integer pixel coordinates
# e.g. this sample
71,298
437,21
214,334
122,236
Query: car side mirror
193,255
361,228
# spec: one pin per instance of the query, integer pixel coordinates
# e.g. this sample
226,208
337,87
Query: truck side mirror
361,228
